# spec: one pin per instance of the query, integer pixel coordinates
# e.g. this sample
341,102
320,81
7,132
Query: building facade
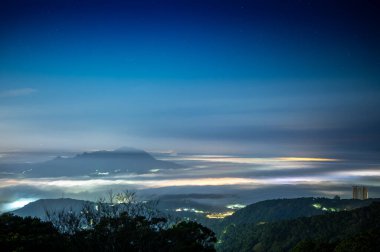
359,192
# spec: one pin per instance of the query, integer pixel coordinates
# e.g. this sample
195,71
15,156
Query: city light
219,215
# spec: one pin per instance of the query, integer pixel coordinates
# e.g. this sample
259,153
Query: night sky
259,78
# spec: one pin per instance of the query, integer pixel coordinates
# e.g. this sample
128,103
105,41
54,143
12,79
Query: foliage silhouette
121,224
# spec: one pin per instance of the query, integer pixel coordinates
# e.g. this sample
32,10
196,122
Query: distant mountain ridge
268,211
258,213
331,232
281,209
39,207
97,163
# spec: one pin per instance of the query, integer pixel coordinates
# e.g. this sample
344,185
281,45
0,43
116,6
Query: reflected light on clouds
307,159
243,160
17,204
93,183
357,173
88,184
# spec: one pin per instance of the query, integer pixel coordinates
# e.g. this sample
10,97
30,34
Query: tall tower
360,192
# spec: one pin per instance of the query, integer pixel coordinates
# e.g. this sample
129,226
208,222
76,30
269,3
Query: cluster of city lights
235,206
330,209
193,210
219,215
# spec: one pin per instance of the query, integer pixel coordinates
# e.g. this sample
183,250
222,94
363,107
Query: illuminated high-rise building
360,192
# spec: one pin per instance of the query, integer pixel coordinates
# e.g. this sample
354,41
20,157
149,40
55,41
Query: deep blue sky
266,79
257,77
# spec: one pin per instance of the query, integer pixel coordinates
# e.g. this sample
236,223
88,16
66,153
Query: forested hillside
333,231
286,209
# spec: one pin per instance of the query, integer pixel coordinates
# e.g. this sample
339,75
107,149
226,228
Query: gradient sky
245,77
255,82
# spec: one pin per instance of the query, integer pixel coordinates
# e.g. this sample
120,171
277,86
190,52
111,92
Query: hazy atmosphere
235,101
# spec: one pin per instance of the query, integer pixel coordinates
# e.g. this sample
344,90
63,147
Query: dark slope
282,209
331,228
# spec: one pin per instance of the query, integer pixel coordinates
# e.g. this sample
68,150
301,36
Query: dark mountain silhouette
334,231
98,163
286,209
258,213
345,230
38,208
282,209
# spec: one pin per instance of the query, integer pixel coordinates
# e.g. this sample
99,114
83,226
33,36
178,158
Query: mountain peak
128,149
124,152
95,163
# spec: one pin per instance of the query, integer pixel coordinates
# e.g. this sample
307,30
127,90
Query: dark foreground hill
335,231
285,209
98,163
110,233
257,213
128,225
330,231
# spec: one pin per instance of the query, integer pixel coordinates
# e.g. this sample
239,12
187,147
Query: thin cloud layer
17,92
299,176
291,98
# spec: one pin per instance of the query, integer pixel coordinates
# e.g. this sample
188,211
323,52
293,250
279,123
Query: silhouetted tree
189,236
121,224
28,234
365,242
